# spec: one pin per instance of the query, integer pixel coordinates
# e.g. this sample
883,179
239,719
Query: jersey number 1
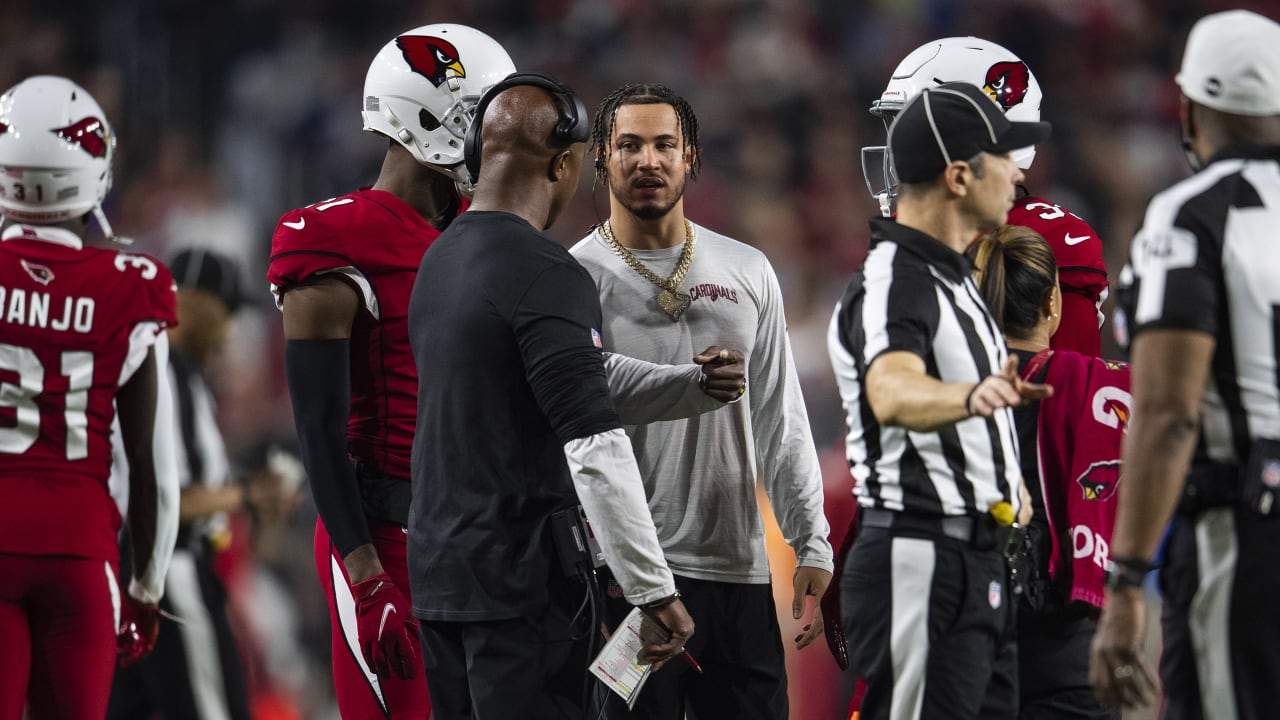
77,367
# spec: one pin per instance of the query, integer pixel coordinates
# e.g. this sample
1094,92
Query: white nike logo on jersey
386,610
1066,238
295,225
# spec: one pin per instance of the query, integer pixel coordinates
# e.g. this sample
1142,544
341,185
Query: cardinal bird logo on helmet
1007,83
431,57
90,134
1100,480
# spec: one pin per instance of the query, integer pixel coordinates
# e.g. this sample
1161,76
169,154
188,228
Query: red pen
688,656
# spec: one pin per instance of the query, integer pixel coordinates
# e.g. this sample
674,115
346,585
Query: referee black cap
953,121
212,272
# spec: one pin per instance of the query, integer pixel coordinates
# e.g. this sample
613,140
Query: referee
1206,395
928,385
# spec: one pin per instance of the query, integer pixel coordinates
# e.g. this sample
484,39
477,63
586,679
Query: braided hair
643,94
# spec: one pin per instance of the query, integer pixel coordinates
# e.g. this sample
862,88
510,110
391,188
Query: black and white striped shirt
917,295
1207,258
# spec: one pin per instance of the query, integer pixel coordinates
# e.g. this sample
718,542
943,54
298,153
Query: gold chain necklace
670,299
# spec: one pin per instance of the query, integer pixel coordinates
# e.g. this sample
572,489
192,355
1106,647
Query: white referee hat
1232,63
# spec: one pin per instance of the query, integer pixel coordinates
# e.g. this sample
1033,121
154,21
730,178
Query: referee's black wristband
969,398
1127,573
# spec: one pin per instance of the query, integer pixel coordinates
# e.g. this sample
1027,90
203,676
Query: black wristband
1127,573
969,398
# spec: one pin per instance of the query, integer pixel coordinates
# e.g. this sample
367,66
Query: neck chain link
670,300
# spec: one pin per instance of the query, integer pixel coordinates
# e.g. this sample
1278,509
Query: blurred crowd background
230,113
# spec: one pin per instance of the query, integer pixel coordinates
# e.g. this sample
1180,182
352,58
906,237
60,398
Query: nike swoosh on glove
139,627
387,629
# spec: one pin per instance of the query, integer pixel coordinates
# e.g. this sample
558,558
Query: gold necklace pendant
670,300
673,303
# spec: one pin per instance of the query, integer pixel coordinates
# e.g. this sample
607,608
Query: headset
572,127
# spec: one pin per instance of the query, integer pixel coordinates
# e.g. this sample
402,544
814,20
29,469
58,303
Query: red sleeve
305,243
1082,272
162,297
145,286
1076,245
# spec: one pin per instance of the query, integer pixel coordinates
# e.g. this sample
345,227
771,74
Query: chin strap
886,204
106,227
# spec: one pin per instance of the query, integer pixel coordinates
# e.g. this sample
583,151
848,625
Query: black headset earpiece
572,127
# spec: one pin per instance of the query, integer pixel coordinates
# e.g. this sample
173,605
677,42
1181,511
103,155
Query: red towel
1081,429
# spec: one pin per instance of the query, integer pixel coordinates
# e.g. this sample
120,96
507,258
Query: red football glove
139,626
387,629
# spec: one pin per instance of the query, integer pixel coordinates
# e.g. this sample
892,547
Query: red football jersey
1082,273
75,323
374,241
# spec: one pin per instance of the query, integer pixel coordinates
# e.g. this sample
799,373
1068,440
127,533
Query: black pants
1053,668
738,644
1221,581
1053,643
930,628
194,671
530,667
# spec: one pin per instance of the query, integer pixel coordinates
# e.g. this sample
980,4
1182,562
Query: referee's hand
1004,390
1118,670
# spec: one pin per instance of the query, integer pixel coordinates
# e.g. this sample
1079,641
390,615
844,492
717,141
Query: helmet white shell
422,88
55,151
981,63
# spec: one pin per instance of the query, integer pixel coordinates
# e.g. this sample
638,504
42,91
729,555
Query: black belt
976,531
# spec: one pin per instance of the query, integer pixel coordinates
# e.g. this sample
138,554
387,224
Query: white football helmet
422,90
981,63
55,152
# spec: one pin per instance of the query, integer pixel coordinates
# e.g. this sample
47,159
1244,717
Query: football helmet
422,89
982,63
55,152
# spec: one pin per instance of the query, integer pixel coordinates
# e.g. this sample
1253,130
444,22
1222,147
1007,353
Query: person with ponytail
1070,457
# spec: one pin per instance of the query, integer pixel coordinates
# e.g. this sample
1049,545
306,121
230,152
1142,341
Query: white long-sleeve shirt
700,473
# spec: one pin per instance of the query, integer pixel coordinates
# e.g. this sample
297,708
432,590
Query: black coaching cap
953,121
209,271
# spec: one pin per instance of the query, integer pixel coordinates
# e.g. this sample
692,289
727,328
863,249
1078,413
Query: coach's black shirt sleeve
555,324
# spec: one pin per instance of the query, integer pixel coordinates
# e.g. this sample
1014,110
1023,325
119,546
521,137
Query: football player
81,331
342,271
1011,85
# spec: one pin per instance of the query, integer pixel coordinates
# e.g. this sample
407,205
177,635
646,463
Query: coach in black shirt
515,424
927,384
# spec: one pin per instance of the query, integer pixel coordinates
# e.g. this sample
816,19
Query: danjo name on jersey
42,310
